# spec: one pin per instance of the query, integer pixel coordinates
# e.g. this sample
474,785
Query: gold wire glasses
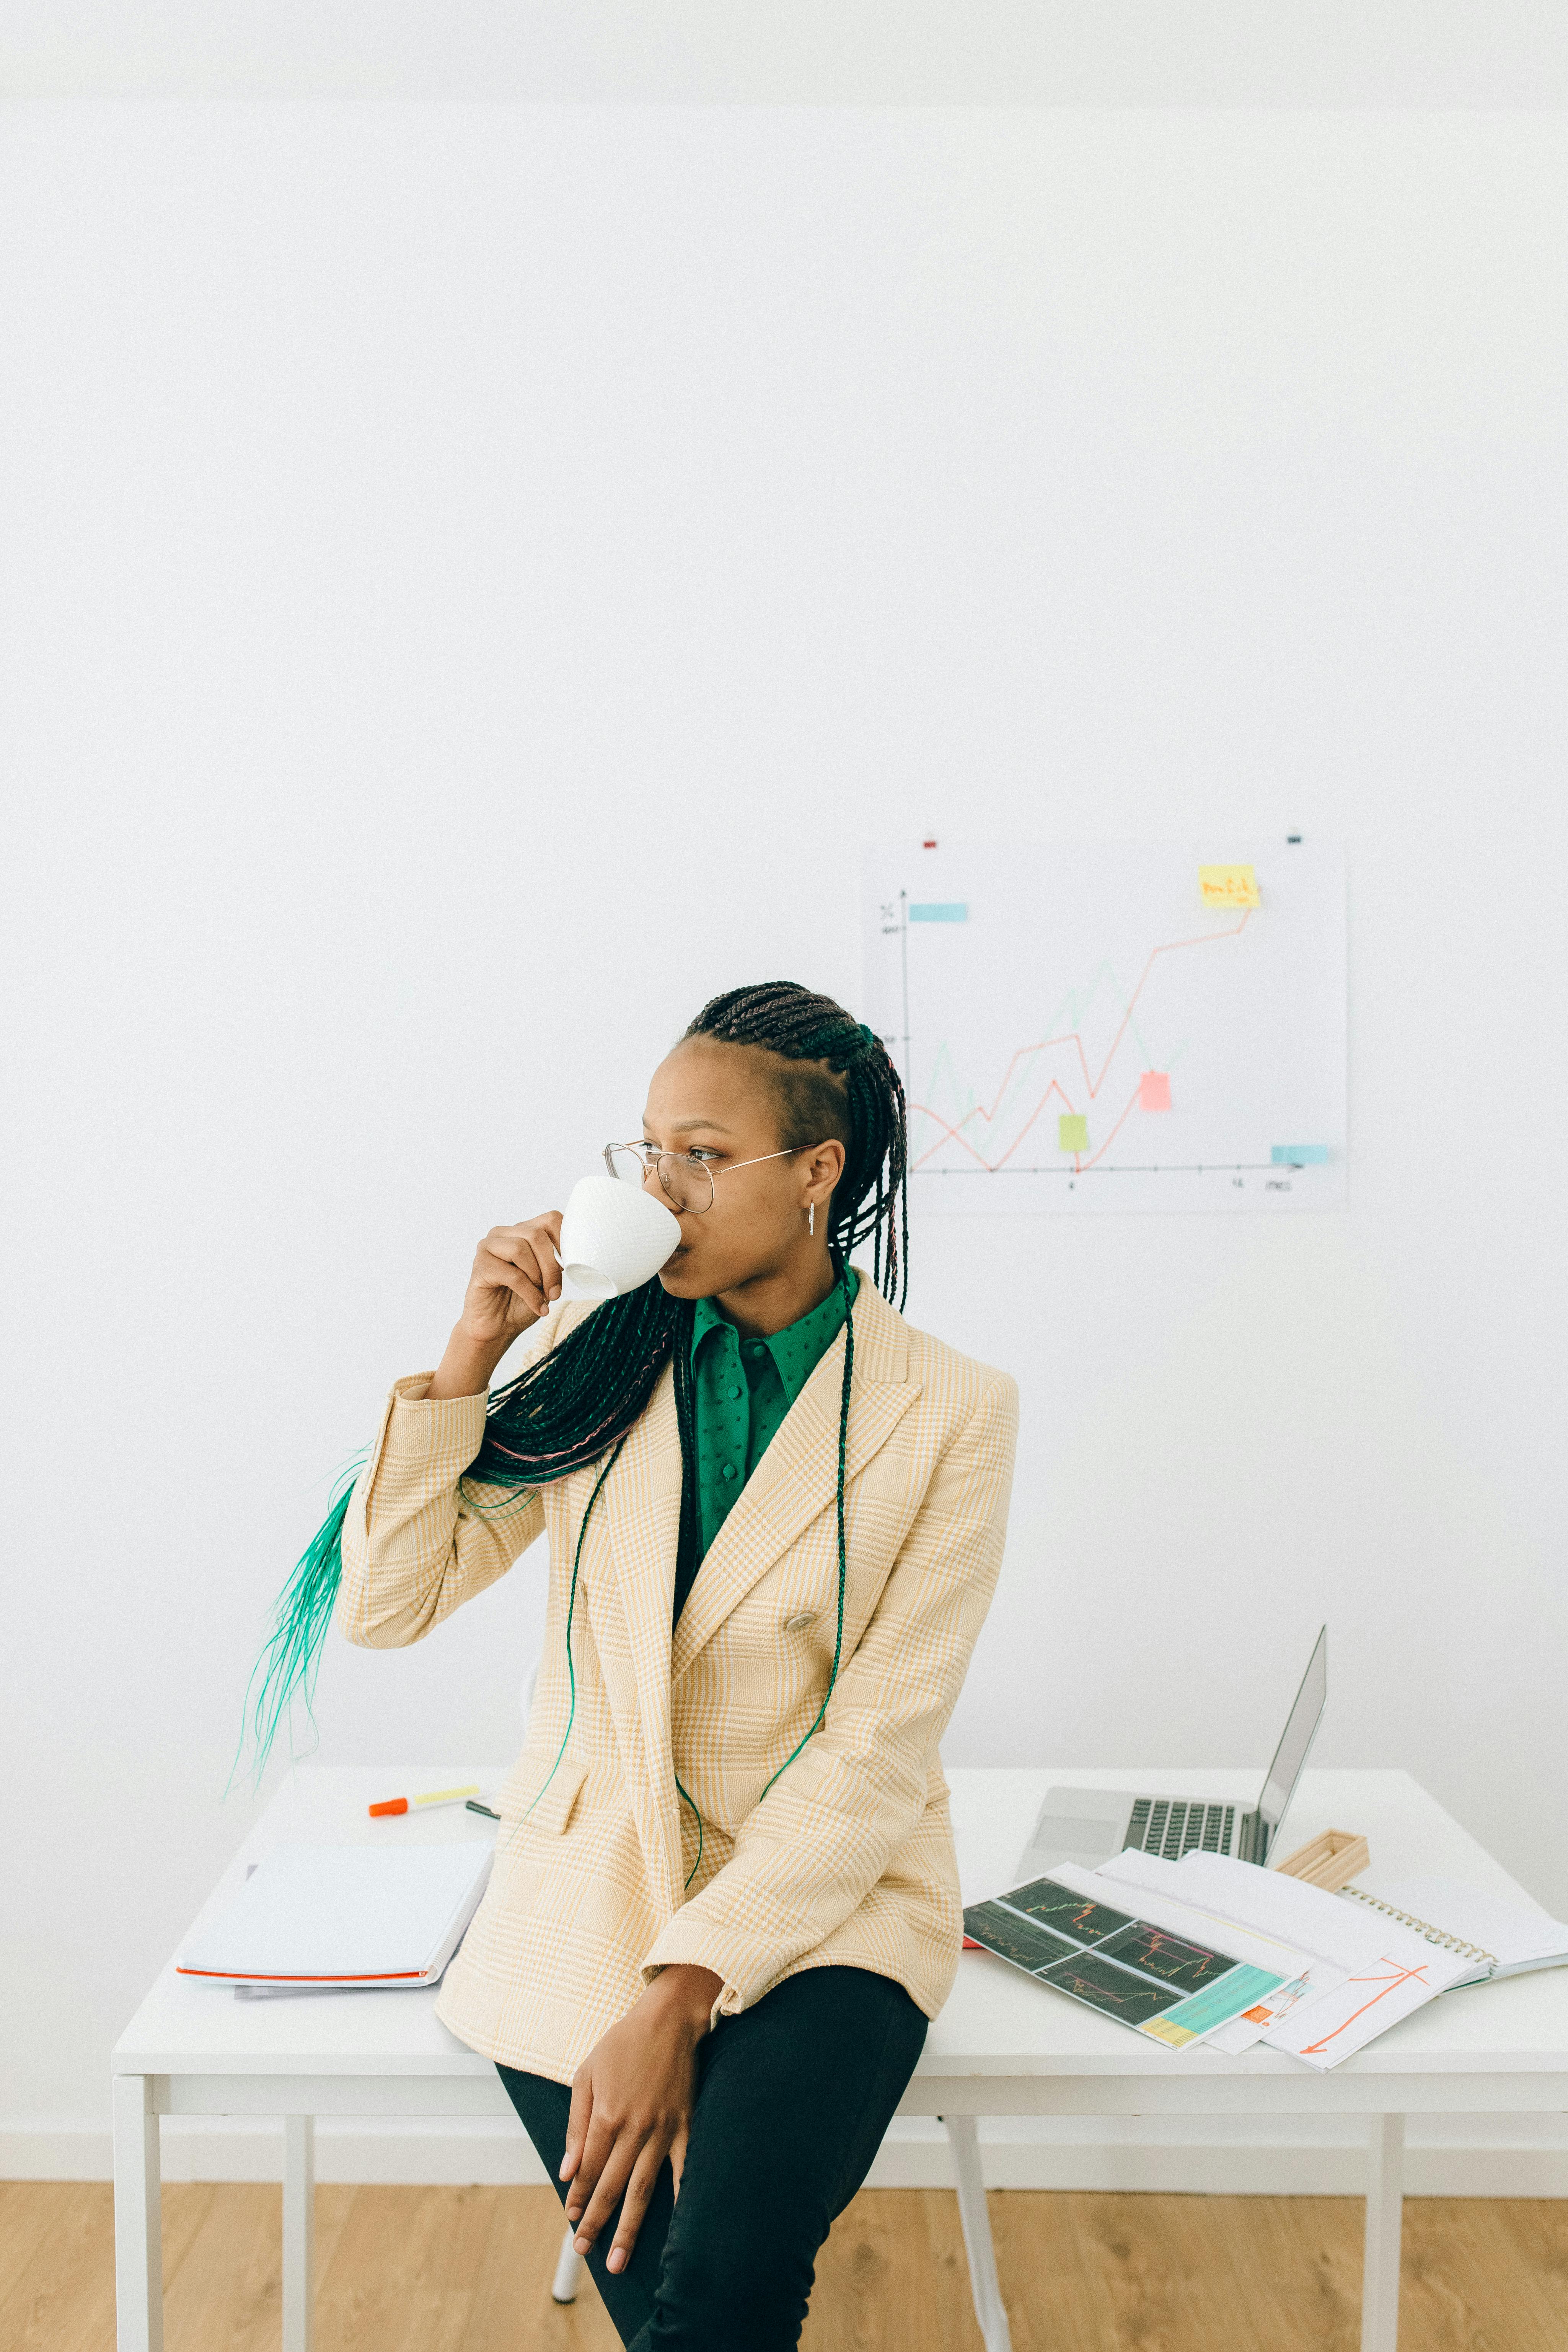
687,1182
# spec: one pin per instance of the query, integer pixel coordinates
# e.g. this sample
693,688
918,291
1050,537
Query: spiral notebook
1498,1938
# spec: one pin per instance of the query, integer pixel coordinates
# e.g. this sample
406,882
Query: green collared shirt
743,1388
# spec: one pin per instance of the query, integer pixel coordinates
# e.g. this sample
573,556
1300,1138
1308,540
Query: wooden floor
467,2270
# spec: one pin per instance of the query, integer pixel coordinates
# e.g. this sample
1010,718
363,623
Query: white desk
1001,2046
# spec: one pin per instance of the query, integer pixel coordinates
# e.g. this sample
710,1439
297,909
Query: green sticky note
1072,1133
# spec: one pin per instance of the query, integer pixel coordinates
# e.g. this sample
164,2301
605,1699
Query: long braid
568,1408
836,1073
559,1414
843,1551
576,1404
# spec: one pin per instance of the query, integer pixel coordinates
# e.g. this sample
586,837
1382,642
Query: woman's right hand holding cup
516,1275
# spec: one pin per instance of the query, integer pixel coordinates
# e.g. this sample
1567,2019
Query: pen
431,1796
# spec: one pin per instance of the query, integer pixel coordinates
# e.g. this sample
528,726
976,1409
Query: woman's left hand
631,2108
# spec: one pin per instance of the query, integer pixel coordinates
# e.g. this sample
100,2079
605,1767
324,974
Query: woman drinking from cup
724,1903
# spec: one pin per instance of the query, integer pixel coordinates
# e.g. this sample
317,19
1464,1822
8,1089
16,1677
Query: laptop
1088,1825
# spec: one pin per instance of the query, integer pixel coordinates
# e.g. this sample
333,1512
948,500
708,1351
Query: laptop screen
1291,1752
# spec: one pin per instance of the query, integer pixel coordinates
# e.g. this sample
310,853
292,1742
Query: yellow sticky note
1072,1133
1228,885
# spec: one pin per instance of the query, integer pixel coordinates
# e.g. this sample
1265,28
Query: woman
724,1902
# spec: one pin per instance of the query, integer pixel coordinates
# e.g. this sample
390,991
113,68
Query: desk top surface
996,2021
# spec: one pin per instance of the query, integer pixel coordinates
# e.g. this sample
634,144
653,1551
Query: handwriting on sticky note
1228,885
1072,1131
1154,1090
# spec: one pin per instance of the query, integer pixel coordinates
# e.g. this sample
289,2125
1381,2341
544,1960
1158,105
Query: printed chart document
1219,1898
1381,1969
1153,1964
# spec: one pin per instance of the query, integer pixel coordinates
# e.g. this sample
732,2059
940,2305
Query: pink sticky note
1154,1090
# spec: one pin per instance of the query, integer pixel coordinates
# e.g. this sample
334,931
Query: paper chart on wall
1120,1025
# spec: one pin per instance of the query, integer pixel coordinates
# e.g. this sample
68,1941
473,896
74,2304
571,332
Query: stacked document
1369,1970
309,1917
1219,1952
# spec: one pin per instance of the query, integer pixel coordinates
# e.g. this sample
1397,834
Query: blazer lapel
798,1476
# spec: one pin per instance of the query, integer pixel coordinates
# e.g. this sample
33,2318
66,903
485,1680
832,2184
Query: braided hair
833,1074
576,1404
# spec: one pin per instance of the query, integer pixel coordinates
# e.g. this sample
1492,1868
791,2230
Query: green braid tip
291,1654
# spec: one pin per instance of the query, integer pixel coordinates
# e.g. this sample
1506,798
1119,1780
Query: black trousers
792,2097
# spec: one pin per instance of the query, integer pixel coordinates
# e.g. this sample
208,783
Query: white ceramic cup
613,1236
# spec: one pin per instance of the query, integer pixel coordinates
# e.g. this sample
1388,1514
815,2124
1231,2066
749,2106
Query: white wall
1359,53
473,579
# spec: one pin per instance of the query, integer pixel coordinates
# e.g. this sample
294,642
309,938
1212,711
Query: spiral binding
1424,1927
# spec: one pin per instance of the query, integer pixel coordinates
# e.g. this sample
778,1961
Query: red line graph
1092,1085
1397,1976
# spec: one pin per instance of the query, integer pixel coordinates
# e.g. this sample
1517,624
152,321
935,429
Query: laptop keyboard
1166,1826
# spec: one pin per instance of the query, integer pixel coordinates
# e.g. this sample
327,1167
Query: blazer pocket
552,1807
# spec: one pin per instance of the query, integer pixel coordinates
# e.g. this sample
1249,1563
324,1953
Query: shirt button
729,1469
753,1347
734,1393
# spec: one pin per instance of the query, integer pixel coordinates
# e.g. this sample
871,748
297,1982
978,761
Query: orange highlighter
432,1797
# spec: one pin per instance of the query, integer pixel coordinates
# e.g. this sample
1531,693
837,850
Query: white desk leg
964,2139
1385,2211
298,2230
138,2218
568,2271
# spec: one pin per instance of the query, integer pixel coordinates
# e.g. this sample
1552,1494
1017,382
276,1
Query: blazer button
801,1617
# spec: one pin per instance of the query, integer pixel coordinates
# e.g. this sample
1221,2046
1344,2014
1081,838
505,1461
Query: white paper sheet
1382,1970
1371,1999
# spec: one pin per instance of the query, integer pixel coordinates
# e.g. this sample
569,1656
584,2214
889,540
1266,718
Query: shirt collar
799,1348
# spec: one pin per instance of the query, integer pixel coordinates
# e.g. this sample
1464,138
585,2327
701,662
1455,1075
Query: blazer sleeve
414,1547
825,1833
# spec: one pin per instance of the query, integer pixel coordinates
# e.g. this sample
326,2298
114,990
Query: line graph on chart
1116,1026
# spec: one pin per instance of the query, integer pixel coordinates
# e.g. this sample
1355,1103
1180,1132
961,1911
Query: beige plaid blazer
849,1860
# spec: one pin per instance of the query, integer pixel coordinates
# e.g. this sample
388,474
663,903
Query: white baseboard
1471,2156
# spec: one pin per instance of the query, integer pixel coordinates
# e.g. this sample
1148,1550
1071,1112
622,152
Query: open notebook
308,1916
1498,1938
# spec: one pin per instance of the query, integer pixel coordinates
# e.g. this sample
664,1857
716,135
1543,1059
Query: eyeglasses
687,1182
